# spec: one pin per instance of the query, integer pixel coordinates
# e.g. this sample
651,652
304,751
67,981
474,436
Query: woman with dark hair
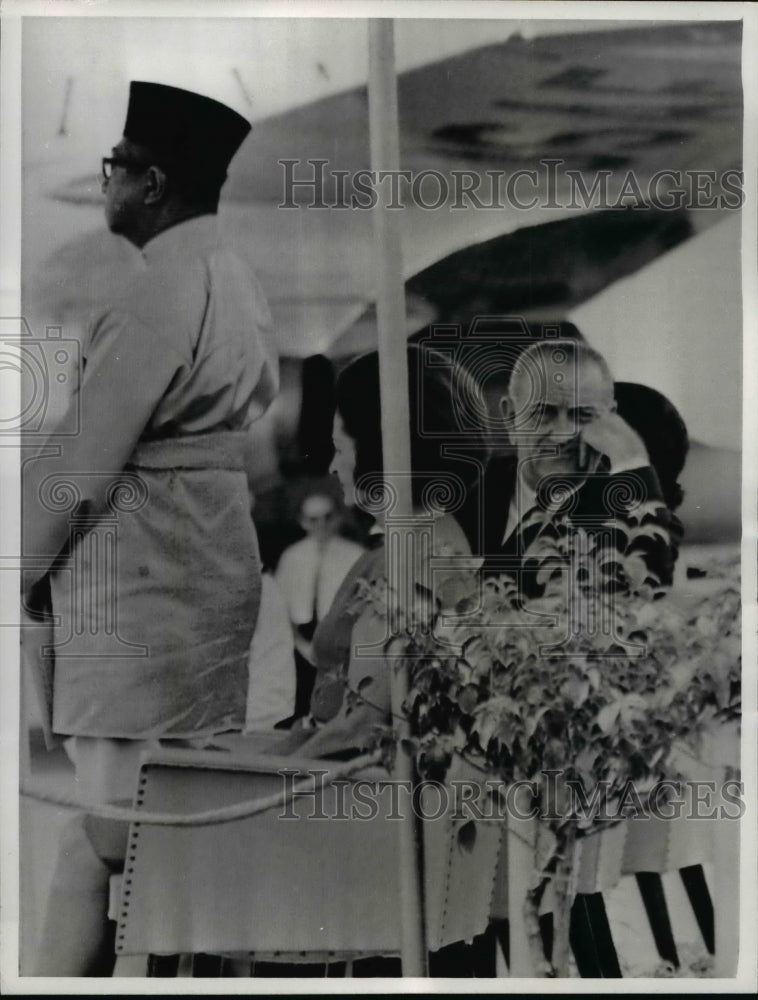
438,486
664,433
440,396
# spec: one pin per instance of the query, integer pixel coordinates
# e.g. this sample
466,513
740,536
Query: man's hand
610,435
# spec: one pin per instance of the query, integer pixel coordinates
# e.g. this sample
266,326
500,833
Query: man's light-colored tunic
159,593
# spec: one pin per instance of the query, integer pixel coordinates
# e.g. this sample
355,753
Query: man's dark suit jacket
600,498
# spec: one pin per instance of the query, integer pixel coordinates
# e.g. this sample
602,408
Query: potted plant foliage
588,691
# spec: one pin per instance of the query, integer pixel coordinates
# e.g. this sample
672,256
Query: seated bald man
570,450
572,454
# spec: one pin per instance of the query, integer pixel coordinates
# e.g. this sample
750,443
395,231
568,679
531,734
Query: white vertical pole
390,306
393,370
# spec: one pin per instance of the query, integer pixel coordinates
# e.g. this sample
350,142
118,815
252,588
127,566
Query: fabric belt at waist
219,450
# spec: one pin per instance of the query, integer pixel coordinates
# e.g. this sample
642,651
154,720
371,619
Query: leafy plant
600,677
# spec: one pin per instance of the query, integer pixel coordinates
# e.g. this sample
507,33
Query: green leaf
533,720
485,729
468,699
593,676
651,530
606,717
635,568
575,690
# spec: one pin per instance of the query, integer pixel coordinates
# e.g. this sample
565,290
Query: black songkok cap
186,128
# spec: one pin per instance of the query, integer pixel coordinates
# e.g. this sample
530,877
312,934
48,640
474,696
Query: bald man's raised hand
611,436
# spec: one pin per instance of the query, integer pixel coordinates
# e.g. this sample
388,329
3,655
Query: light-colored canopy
474,96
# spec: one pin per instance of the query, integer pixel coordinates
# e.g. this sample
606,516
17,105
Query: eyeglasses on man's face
109,162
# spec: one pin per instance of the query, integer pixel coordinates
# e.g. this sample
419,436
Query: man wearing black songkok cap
175,372
171,162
